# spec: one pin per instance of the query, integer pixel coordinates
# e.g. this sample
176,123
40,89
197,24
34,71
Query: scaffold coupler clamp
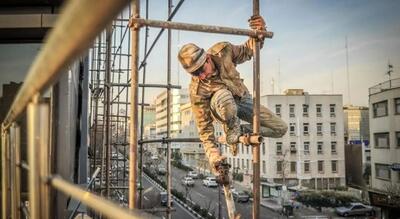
133,24
251,139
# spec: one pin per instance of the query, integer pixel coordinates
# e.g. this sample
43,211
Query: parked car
154,157
164,199
210,182
240,196
355,209
193,174
161,170
187,181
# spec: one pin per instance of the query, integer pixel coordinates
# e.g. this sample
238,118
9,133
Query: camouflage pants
228,110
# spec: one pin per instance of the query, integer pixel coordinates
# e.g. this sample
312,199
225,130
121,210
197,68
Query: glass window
243,164
278,148
292,128
293,165
333,128
333,147
291,110
263,148
397,106
380,108
306,166
398,139
242,148
319,128
279,166
292,147
264,166
332,109
320,149
381,140
320,166
319,110
306,147
247,163
247,149
382,171
305,109
305,128
334,166
278,109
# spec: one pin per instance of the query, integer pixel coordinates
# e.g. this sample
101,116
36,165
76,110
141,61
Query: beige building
356,124
311,153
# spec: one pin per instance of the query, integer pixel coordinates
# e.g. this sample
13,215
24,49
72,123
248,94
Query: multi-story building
311,153
356,124
178,98
384,102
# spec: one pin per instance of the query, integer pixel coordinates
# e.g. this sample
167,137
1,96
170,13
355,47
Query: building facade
311,153
384,102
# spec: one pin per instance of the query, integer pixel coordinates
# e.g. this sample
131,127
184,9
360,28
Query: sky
306,52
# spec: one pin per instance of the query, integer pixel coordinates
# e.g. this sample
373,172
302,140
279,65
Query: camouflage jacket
225,57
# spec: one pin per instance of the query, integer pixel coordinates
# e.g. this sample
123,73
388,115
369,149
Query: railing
390,84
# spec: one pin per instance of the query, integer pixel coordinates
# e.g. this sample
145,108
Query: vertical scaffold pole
5,174
256,119
38,146
133,138
16,176
169,117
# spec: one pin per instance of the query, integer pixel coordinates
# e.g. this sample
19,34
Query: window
319,110
292,129
278,148
332,109
263,148
243,164
319,128
229,161
292,147
238,163
320,149
264,166
305,128
398,139
381,140
333,147
382,171
291,110
305,110
293,166
306,166
380,109
279,166
278,109
247,164
247,149
334,166
320,166
333,128
397,106
306,147
242,148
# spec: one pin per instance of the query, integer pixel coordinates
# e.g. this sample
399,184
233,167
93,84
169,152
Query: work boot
232,136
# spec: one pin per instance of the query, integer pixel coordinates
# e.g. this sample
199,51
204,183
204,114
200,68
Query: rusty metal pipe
137,22
133,125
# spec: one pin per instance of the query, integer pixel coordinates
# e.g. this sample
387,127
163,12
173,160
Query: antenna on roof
390,70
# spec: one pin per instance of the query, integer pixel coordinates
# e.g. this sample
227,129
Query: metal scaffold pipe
133,136
256,119
201,28
84,20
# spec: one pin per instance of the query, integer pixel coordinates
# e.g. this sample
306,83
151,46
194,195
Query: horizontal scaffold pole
200,28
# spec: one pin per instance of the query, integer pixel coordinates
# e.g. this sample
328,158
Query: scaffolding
114,107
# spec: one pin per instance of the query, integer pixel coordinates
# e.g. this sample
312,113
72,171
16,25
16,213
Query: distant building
311,153
384,104
356,124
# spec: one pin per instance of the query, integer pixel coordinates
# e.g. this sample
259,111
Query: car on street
164,199
240,196
193,174
355,209
154,157
187,181
161,170
210,182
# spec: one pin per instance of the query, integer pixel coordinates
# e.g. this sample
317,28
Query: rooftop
387,85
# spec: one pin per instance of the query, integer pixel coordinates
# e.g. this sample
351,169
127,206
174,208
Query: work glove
256,22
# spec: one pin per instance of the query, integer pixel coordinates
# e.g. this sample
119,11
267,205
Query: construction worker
218,93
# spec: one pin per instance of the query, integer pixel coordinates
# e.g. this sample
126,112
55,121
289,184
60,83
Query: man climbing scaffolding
218,93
